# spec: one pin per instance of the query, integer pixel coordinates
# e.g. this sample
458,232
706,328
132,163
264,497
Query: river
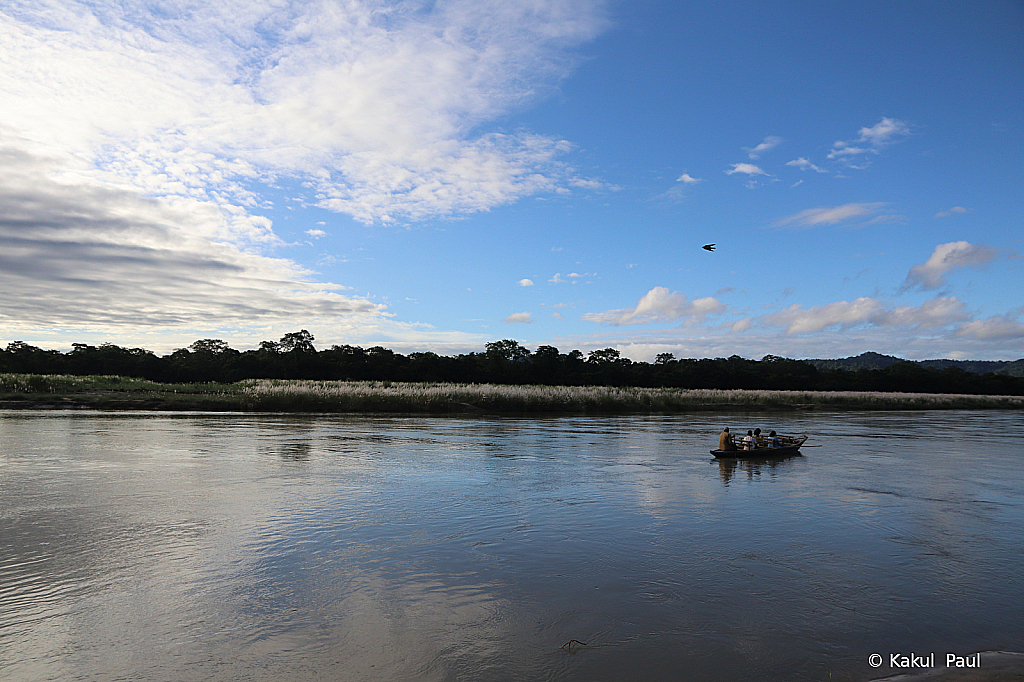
234,547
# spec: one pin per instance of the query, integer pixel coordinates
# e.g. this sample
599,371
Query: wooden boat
790,447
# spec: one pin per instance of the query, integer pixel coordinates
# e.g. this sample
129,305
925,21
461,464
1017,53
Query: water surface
186,547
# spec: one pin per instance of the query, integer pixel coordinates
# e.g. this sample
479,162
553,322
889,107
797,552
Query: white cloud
525,282
136,140
685,178
952,211
746,168
315,234
79,254
770,142
515,318
573,277
585,183
741,325
870,140
804,164
884,132
800,320
372,105
995,327
660,305
813,217
939,312
947,257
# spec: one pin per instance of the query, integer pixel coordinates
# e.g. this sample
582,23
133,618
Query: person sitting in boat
758,438
773,441
725,440
748,441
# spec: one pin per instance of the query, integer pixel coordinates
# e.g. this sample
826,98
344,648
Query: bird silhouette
708,247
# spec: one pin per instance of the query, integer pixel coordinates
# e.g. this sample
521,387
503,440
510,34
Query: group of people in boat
752,441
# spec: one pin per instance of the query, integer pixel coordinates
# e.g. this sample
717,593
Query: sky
437,175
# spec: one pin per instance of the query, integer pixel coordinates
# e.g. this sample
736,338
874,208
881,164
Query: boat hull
790,450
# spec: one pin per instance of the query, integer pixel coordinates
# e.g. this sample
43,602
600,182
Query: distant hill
870,360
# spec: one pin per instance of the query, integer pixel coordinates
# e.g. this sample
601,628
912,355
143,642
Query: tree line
294,356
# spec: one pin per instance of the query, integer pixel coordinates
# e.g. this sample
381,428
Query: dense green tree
300,341
505,361
603,356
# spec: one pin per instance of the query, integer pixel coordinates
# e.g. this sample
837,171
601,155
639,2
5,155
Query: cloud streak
82,254
814,217
770,142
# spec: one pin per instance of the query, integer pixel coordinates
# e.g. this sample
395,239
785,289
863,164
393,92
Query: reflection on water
230,547
729,467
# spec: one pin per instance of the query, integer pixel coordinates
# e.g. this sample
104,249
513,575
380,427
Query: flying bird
708,247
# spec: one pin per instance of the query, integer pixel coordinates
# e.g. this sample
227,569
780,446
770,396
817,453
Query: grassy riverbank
28,391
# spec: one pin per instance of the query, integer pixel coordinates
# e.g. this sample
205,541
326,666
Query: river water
159,546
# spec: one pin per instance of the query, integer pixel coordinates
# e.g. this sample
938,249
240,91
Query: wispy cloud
572,277
803,164
945,258
660,305
519,318
813,217
770,142
746,169
685,178
953,211
371,105
870,140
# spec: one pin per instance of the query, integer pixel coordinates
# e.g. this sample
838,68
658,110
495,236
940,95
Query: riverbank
28,391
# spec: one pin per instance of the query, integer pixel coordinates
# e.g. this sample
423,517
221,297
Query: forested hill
879,361
508,362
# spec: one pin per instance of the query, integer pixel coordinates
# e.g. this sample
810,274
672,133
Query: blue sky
437,175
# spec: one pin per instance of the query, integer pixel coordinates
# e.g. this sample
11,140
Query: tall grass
275,395
364,396
66,383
